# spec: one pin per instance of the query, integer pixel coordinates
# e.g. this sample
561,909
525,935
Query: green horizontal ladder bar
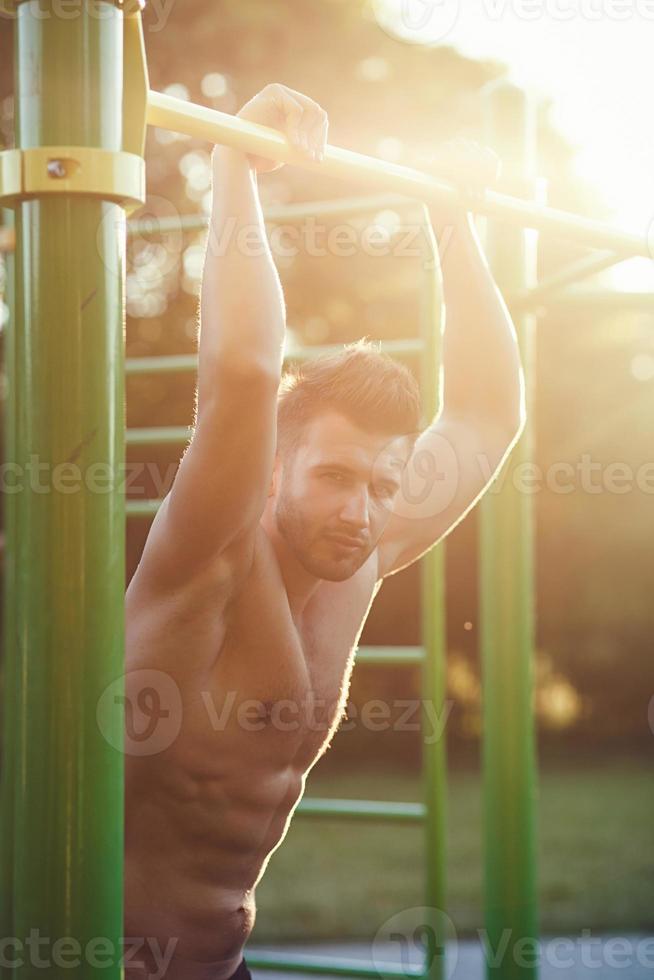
172,435
342,207
142,509
163,364
362,809
187,363
582,268
391,655
597,301
526,299
551,287
283,962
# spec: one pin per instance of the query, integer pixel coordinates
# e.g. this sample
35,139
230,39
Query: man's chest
287,682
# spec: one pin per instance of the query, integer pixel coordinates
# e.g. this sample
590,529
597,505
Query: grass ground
334,879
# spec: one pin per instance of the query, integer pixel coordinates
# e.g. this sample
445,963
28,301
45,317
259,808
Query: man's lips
345,540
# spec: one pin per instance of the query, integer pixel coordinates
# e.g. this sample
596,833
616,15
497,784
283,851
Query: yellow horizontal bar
168,112
198,121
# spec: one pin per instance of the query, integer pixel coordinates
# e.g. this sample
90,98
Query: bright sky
593,58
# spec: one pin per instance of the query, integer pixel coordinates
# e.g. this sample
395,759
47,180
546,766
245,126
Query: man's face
340,483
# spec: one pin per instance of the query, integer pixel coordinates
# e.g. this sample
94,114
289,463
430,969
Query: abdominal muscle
201,824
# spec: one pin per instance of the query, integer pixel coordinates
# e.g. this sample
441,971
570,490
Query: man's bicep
452,465
220,489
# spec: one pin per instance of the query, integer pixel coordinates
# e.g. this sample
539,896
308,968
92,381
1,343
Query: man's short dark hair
366,385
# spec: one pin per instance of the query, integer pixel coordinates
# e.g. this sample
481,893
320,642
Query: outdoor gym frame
77,166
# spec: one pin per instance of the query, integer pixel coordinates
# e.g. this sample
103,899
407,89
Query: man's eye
335,476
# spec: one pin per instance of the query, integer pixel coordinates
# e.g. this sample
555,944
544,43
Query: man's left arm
482,407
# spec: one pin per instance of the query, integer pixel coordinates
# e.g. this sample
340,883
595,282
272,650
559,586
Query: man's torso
261,696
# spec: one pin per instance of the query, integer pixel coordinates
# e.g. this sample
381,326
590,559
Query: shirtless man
264,558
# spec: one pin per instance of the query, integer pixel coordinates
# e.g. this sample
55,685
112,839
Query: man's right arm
208,521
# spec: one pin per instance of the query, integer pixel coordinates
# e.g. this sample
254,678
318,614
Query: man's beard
293,529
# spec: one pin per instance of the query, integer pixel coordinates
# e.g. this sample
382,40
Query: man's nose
355,510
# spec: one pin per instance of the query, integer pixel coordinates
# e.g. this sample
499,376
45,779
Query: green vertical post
507,605
7,664
66,580
434,758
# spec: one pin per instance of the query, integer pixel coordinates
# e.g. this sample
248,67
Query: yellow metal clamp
114,175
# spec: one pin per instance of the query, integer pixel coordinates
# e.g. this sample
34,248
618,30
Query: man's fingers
291,112
319,134
314,128
307,119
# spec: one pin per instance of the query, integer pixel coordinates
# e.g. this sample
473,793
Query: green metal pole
67,581
7,782
507,615
434,762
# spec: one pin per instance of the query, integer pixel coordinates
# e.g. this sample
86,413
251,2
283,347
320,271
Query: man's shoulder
216,578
